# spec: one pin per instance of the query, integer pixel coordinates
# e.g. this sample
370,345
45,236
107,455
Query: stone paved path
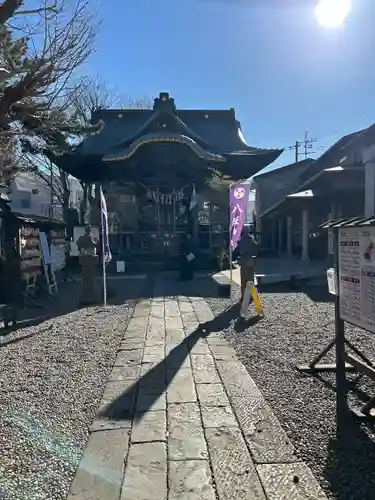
181,419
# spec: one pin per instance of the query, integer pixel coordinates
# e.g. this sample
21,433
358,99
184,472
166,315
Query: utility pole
306,144
296,150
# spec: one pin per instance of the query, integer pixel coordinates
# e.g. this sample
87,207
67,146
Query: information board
356,248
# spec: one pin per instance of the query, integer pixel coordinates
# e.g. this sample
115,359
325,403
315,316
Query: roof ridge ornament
164,104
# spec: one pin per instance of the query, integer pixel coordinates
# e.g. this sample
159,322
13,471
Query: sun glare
332,13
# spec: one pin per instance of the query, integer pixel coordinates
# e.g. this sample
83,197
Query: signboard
46,254
79,231
356,248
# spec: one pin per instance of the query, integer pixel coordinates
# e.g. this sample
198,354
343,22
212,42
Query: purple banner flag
238,203
107,256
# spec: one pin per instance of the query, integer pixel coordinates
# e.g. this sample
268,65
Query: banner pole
103,255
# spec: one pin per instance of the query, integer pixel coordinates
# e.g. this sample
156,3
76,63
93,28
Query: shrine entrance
147,223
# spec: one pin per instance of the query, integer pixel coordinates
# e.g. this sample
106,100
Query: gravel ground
52,376
296,327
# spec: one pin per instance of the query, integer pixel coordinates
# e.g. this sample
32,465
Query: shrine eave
244,164
128,152
236,166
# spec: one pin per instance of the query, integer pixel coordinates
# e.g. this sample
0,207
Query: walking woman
187,258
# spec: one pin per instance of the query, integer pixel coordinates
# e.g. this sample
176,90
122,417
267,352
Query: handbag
190,256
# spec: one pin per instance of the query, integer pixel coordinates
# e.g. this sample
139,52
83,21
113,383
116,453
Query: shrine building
165,171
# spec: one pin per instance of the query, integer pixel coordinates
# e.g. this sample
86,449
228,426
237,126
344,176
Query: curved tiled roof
129,151
214,135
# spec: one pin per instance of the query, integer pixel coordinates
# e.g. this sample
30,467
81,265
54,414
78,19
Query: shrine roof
217,130
213,135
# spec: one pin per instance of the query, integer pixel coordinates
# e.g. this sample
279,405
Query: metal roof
349,222
305,193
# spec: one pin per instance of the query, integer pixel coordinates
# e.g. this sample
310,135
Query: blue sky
274,64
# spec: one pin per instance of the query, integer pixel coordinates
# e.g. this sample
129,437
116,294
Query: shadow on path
154,383
351,458
350,463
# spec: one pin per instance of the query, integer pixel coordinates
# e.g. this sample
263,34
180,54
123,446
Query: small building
156,167
331,186
271,187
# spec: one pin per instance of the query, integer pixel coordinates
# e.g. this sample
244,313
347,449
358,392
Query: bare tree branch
10,8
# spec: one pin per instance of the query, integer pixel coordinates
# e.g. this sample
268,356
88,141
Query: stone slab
154,342
223,352
148,427
191,328
100,424
206,375
235,475
145,472
147,401
171,309
154,338
289,482
264,435
153,376
137,323
236,379
124,373
175,336
200,347
216,340
115,390
181,388
131,345
154,354
187,413
212,395
189,317
185,306
174,323
121,408
128,358
177,357
218,417
100,472
202,361
186,441
190,480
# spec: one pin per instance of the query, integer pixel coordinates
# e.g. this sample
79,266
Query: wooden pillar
210,225
330,243
158,209
369,188
305,234
273,234
289,236
280,235
195,223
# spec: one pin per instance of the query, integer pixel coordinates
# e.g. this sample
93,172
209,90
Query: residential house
331,186
30,195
